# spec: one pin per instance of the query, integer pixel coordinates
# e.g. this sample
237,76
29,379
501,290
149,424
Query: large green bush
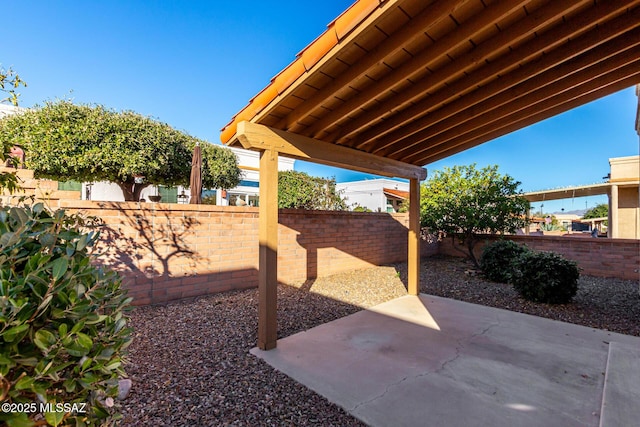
298,190
546,277
499,260
63,328
465,203
65,141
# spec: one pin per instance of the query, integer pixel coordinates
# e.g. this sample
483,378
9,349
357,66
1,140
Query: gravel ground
190,361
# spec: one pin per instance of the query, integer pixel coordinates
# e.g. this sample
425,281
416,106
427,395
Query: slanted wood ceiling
418,80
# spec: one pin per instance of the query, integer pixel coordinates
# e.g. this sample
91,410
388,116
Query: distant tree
358,208
64,141
599,211
404,206
463,202
219,167
298,190
9,82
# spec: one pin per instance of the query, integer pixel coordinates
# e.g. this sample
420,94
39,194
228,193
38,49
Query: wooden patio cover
393,85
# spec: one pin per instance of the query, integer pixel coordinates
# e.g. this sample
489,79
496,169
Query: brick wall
597,257
171,251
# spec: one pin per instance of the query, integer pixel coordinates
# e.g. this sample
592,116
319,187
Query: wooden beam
418,63
509,124
457,68
430,16
413,263
268,251
259,137
589,45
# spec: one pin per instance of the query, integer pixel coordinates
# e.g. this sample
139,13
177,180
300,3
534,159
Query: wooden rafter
501,80
429,17
556,80
423,60
572,99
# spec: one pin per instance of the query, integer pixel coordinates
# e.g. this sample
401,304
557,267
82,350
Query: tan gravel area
190,361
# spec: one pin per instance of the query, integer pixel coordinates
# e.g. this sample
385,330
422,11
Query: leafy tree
359,208
298,190
463,202
64,141
9,82
599,211
219,167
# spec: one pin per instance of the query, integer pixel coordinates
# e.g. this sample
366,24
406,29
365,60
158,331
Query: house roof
398,194
417,80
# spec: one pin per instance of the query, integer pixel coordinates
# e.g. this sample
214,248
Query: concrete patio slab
432,361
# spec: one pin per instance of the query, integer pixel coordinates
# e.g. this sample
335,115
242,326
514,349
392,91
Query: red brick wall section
169,251
603,257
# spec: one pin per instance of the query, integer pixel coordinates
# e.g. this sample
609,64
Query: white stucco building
9,109
377,195
246,193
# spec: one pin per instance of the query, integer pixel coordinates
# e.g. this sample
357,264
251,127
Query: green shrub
63,330
546,277
361,209
499,259
209,200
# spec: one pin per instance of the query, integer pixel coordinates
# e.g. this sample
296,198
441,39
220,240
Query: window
169,194
70,186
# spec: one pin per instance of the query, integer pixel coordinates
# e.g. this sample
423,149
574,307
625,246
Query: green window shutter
169,194
70,186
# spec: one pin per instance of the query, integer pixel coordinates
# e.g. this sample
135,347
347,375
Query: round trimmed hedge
499,260
546,277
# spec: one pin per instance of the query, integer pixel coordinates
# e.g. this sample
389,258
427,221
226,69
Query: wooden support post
268,253
413,264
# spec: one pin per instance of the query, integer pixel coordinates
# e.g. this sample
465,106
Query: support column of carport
272,142
268,252
413,262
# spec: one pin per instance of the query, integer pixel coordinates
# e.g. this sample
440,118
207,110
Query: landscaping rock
191,364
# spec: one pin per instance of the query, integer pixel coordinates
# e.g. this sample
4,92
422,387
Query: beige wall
625,168
628,213
625,174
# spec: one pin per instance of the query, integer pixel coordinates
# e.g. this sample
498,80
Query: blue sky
194,64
